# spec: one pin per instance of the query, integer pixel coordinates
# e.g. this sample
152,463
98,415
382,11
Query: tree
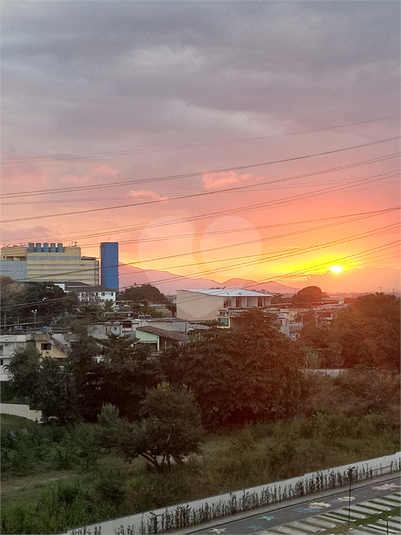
23,370
170,428
5,280
128,372
43,383
84,376
36,301
117,370
308,296
144,293
251,373
367,333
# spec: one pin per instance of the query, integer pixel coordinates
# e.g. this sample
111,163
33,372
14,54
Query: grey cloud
106,68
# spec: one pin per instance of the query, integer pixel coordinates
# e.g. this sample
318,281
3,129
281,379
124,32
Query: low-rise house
159,339
51,346
48,344
104,329
90,294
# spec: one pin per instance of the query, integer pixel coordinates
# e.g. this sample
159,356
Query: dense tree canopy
36,301
115,370
43,383
251,373
367,333
308,296
170,428
146,293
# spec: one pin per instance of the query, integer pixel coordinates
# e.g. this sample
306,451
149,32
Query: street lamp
350,470
34,315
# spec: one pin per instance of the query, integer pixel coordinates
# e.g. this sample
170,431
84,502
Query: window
1,349
238,302
1,362
260,301
45,346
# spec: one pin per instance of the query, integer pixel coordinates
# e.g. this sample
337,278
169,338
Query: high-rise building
48,262
109,265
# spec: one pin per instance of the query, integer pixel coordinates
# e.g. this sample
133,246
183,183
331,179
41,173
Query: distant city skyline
255,140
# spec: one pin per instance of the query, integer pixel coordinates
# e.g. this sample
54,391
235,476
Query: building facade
90,294
48,262
109,265
218,303
47,343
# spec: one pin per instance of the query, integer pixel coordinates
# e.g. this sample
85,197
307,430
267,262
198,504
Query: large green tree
146,293
36,302
115,370
42,383
170,428
308,296
251,373
367,333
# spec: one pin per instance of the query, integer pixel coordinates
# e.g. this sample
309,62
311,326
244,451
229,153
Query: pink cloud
100,168
138,194
217,180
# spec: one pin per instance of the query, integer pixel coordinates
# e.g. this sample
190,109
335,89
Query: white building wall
198,306
8,344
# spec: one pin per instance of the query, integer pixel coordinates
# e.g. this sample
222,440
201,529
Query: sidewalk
274,507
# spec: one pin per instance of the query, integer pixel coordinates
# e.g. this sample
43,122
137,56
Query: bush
64,505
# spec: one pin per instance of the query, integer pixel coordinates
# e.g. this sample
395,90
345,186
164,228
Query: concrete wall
20,410
198,306
142,523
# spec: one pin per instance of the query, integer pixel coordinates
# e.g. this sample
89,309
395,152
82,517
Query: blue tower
109,265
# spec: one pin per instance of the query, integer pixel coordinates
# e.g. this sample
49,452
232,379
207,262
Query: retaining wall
194,513
20,410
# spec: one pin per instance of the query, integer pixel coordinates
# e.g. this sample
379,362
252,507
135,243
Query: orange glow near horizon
336,269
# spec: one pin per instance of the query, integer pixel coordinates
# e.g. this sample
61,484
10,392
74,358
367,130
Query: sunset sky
213,139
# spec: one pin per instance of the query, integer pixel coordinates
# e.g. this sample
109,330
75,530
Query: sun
336,269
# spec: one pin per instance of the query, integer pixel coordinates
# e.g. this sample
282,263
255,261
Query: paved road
321,512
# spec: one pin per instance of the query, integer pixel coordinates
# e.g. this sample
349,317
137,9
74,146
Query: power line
180,147
293,199
269,257
265,184
183,197
349,219
344,259
196,173
237,188
249,242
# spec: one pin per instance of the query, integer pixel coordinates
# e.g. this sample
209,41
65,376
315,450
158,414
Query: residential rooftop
231,292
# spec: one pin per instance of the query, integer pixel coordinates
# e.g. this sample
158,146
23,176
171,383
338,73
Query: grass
9,422
56,500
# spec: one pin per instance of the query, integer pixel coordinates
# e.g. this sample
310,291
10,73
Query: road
320,513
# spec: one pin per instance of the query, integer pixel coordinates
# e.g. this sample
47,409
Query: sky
218,139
